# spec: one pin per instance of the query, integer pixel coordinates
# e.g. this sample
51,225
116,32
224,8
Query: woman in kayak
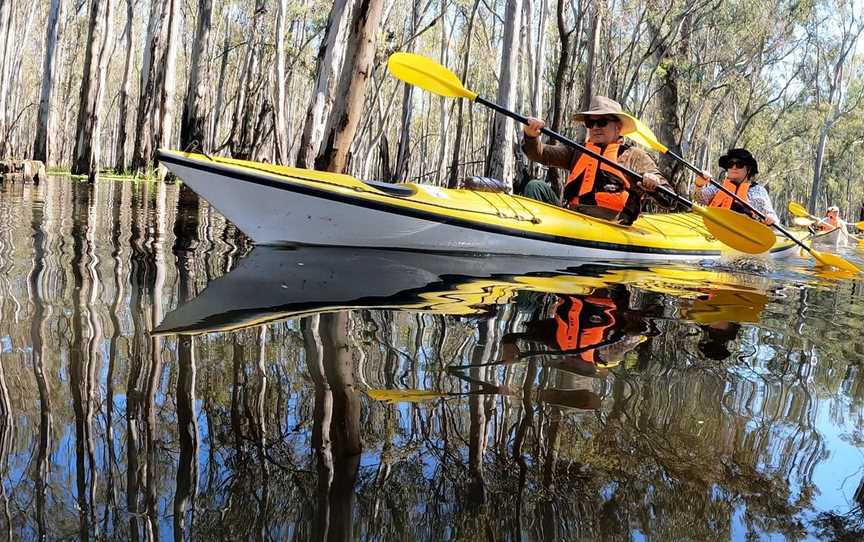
740,168
593,188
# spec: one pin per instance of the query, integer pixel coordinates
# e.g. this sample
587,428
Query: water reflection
320,394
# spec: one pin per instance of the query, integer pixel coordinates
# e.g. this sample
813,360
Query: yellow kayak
279,205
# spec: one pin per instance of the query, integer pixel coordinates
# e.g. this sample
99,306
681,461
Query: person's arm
549,155
641,162
703,195
761,201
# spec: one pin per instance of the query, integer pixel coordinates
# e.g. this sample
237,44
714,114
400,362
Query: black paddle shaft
723,189
569,142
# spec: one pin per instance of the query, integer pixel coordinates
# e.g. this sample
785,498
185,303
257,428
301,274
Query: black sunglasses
600,123
736,164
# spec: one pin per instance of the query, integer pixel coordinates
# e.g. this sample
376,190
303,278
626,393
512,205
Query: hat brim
628,123
723,162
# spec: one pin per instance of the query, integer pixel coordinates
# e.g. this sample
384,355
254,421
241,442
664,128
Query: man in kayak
593,188
740,168
831,221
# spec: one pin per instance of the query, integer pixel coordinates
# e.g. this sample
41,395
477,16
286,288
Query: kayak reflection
276,284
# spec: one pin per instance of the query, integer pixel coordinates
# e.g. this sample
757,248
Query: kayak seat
485,184
401,190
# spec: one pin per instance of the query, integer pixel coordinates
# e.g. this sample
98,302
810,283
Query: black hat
742,155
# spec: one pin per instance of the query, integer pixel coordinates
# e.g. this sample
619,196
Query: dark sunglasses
600,123
736,164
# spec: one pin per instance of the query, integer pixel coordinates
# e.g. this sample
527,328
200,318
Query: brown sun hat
602,106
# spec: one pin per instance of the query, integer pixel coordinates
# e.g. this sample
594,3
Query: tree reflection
460,416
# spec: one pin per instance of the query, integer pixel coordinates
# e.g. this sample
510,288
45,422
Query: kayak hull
280,206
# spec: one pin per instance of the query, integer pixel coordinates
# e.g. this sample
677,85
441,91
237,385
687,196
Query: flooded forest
161,377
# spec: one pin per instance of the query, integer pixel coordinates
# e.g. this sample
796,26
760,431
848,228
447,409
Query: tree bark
593,45
240,139
332,55
88,130
669,129
43,119
167,83
400,173
146,98
5,61
281,130
453,181
120,162
501,161
194,122
220,88
347,107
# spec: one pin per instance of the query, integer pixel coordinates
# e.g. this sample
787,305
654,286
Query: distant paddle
644,136
733,229
798,210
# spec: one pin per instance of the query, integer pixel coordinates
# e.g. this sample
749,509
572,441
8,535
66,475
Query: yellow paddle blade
728,306
859,225
403,396
736,230
833,260
427,74
643,135
797,209
802,221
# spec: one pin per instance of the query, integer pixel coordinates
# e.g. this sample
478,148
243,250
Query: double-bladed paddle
733,229
644,136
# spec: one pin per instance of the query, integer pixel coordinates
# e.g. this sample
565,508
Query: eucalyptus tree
44,126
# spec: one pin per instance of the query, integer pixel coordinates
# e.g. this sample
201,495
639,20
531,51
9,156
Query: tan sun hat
601,105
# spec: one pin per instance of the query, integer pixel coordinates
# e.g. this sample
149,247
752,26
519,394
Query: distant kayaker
831,221
593,188
740,168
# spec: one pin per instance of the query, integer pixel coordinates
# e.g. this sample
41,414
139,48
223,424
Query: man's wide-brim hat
601,106
742,155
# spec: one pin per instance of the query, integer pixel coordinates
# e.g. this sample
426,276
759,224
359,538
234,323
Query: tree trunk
43,124
220,88
347,107
5,61
143,150
279,109
332,55
453,181
593,45
193,124
121,165
167,82
240,139
501,152
669,129
404,147
443,136
817,167
88,127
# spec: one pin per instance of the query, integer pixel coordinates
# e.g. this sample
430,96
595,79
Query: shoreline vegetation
98,86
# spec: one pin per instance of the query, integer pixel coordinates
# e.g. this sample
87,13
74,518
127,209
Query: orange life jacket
585,173
829,224
583,324
725,201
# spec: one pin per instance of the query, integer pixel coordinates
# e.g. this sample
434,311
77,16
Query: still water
162,379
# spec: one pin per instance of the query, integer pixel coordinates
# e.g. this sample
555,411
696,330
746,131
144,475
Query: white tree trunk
43,118
332,55
192,127
5,68
501,163
168,77
120,163
86,158
443,137
281,128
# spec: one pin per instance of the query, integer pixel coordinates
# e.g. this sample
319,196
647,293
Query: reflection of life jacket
829,224
582,323
725,201
598,184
